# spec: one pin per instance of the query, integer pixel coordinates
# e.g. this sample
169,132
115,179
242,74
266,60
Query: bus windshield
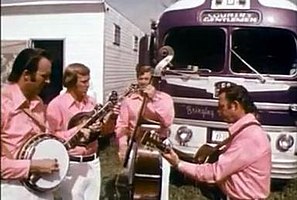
267,50
203,47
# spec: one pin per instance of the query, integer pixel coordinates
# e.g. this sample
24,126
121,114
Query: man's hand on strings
150,91
45,166
96,126
116,109
171,157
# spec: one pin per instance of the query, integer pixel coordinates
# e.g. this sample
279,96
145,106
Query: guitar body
207,154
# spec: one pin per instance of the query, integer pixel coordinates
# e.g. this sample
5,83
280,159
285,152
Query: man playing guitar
242,171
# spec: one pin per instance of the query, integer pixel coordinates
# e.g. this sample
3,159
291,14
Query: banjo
44,146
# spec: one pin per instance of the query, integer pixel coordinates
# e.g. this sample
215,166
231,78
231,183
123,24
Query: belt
84,158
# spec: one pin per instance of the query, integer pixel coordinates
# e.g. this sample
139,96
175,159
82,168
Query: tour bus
216,43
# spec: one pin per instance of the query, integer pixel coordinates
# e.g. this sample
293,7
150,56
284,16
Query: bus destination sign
237,17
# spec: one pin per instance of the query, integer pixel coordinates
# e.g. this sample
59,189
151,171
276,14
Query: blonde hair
70,74
141,69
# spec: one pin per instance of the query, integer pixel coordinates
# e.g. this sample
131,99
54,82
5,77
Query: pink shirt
160,109
243,171
16,128
59,112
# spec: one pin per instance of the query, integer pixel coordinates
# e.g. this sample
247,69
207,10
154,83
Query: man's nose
47,81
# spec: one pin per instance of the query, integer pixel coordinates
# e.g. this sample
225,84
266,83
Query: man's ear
26,75
235,105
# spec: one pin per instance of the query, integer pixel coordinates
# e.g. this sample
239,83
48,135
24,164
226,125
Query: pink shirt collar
239,123
70,101
136,96
14,93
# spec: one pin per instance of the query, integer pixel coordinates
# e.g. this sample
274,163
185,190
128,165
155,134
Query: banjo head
47,147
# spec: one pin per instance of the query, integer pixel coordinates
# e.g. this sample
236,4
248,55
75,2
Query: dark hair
240,94
70,74
141,69
27,59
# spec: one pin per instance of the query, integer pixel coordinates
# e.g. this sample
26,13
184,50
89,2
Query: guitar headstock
113,97
151,140
132,88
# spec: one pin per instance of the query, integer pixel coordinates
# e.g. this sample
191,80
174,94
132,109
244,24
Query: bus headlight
183,135
284,142
293,107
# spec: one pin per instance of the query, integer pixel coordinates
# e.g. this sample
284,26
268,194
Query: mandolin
99,113
112,100
86,119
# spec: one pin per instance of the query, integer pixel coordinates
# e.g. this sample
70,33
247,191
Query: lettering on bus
202,111
248,17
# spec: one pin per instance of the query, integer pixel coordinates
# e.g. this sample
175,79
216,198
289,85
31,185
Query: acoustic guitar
206,153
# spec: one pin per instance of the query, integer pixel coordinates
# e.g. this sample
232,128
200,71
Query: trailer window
203,47
267,50
117,35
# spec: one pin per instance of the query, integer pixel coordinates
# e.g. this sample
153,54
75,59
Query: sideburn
33,77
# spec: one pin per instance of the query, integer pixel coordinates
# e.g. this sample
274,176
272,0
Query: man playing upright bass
159,108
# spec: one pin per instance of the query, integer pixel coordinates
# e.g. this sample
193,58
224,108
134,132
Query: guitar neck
162,147
153,141
184,156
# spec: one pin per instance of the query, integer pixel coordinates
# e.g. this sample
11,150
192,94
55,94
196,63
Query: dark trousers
212,192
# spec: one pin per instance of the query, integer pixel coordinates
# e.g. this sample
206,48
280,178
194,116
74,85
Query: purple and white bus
217,42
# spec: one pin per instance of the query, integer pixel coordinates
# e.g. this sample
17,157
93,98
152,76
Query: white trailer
89,32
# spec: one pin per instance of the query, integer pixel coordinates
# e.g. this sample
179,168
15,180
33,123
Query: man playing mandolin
159,108
30,73
242,171
83,180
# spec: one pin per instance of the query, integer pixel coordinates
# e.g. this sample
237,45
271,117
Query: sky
140,12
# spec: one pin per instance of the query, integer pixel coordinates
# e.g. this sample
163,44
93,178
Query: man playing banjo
30,73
